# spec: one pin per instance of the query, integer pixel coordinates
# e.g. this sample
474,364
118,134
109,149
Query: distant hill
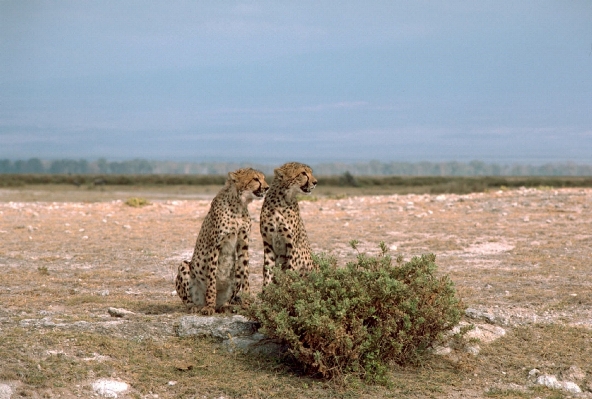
372,168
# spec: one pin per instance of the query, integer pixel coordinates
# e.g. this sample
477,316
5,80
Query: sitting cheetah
219,267
285,243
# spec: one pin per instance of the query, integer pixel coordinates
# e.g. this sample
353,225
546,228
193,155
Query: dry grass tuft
136,202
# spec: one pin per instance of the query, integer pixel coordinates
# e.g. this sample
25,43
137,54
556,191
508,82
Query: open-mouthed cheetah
285,243
219,268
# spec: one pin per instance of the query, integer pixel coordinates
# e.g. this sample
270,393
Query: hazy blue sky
498,81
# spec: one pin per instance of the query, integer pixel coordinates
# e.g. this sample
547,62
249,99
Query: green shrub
361,318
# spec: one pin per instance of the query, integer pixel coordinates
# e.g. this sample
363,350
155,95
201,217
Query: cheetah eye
303,173
256,179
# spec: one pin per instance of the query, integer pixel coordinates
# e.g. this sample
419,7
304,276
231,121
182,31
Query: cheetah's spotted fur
285,243
219,267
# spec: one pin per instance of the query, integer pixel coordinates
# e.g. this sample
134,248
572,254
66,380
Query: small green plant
43,270
136,202
360,318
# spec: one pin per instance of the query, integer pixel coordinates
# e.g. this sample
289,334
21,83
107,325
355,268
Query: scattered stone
117,312
109,388
237,333
5,391
442,350
254,344
473,349
214,326
485,333
550,381
477,314
534,373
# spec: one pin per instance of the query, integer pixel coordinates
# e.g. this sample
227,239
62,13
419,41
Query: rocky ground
517,257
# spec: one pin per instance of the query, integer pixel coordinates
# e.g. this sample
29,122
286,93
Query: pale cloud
337,105
393,80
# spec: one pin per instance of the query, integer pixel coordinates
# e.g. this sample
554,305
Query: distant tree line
473,168
373,168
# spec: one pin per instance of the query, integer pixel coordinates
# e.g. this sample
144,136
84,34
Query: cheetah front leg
241,269
211,292
268,259
280,256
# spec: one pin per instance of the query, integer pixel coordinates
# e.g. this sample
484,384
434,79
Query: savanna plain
519,258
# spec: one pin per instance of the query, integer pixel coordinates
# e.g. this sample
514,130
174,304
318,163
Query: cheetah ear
232,177
278,173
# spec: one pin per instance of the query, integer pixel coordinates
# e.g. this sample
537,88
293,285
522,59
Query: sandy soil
516,256
522,255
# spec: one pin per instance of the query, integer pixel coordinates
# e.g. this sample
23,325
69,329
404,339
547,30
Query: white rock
571,387
473,349
256,343
117,312
534,372
5,391
215,326
109,388
550,381
441,350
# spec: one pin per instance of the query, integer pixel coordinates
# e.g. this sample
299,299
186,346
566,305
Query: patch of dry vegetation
54,362
522,256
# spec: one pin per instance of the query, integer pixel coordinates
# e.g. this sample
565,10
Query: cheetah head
249,182
298,176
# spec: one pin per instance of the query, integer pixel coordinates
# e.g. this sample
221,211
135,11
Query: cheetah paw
207,310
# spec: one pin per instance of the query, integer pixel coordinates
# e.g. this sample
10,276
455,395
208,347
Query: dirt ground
521,257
